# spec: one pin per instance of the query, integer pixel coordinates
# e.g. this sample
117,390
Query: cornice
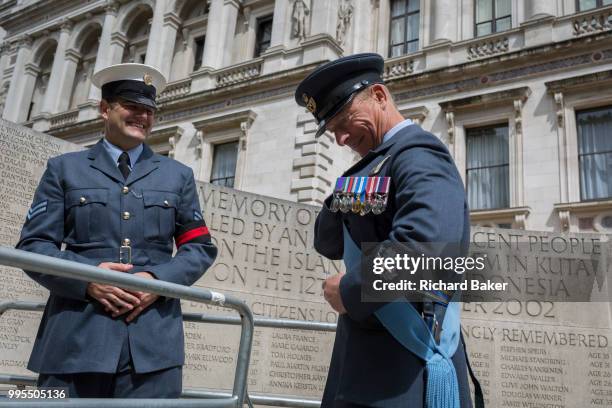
47,14
595,80
488,99
229,97
503,69
215,101
226,121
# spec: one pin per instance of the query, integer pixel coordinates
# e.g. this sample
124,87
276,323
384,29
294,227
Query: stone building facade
519,90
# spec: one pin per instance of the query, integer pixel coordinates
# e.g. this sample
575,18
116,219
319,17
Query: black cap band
133,91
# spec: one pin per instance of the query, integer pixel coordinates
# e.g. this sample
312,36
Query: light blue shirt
395,129
115,152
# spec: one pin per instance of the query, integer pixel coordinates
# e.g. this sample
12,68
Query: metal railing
69,269
144,285
259,399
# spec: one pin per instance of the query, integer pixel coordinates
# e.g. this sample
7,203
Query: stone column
68,77
220,33
19,97
117,46
538,9
51,99
4,49
160,48
154,43
286,31
162,38
321,44
324,14
29,77
444,21
104,57
362,40
281,24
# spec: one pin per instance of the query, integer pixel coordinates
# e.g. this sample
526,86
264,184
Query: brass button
166,203
125,190
126,215
82,200
126,242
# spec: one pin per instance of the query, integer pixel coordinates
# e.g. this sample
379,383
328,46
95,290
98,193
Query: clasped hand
117,301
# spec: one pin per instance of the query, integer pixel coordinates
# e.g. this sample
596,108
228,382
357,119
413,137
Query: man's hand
146,299
331,292
115,300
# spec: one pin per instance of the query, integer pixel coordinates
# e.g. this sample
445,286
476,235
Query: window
487,167
493,16
264,35
594,128
199,52
582,5
224,164
404,32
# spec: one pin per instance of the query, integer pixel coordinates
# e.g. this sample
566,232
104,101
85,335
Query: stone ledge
516,215
499,97
565,211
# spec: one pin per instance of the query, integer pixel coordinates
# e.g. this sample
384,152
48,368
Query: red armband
194,232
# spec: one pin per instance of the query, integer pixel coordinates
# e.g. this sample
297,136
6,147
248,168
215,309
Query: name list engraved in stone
23,157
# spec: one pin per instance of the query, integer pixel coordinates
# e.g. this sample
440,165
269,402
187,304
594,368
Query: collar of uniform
148,153
396,128
115,152
381,148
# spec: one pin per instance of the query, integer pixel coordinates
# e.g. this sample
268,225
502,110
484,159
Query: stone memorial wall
266,257
535,354
23,157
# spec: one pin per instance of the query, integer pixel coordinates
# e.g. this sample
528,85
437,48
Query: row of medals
345,201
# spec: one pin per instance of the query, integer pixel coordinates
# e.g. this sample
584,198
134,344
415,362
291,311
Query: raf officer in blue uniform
121,207
405,189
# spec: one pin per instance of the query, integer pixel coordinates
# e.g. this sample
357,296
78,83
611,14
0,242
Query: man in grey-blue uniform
405,189
121,207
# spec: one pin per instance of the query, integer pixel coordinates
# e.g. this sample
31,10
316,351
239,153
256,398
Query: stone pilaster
104,58
57,78
162,38
19,96
220,31
68,77
444,18
538,9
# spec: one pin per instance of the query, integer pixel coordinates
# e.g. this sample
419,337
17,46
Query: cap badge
148,79
311,105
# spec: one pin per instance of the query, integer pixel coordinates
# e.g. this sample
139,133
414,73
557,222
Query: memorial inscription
23,158
266,257
537,353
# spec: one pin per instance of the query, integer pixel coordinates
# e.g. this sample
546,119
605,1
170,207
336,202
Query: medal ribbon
339,183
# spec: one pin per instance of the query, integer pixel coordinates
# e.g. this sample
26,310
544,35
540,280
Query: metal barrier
259,399
69,269
216,395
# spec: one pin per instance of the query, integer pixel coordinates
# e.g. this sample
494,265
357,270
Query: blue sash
406,325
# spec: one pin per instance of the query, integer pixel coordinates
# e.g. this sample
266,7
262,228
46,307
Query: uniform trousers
125,383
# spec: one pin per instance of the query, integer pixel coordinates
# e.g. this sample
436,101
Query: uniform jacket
426,204
82,202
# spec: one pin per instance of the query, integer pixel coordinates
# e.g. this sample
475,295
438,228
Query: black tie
124,164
